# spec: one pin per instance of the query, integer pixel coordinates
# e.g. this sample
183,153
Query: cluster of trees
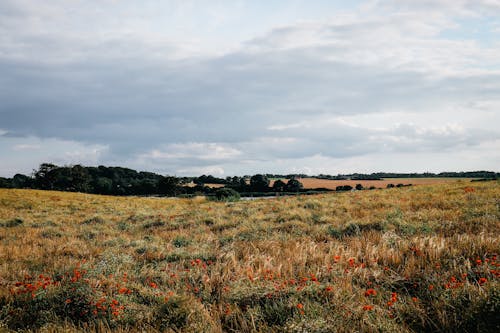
381,175
99,180
124,181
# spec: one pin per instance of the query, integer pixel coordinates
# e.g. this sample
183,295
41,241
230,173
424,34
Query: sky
235,87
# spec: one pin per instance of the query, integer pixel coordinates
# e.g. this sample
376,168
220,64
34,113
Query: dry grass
311,183
400,260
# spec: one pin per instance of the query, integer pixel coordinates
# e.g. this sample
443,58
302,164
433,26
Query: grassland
311,183
409,259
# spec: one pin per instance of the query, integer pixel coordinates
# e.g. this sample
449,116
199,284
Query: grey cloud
137,95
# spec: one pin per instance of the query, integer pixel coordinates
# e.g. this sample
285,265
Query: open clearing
409,259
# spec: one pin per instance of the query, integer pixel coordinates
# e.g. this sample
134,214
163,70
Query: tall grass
410,259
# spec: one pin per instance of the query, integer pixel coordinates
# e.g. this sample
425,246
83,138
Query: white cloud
26,147
171,94
23,154
194,150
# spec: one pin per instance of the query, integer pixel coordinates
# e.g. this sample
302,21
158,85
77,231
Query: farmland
411,259
311,183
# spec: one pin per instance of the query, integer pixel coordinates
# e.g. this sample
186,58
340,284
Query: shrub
227,194
180,242
343,188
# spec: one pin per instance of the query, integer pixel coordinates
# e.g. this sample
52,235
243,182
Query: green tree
169,185
294,185
279,186
44,176
259,183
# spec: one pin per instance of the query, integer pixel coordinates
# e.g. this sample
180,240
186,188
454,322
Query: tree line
125,181
382,175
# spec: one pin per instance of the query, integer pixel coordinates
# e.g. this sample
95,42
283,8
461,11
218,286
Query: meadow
410,259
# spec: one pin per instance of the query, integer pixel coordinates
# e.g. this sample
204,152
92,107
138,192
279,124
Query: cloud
23,154
364,81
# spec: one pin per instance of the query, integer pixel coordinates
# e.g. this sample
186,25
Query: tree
44,177
21,181
5,183
294,185
279,186
80,178
102,185
259,183
169,185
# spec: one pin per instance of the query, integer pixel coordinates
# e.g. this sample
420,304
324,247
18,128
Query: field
311,183
411,259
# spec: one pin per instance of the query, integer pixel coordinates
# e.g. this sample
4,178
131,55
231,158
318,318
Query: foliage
293,185
227,194
259,183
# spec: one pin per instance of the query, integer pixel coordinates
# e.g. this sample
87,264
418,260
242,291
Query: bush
180,242
343,188
227,194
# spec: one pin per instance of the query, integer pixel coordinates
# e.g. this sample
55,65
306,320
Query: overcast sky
241,87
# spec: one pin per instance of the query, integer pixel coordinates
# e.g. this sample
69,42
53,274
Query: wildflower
329,288
368,307
67,301
124,290
482,281
300,306
370,292
414,299
153,285
431,287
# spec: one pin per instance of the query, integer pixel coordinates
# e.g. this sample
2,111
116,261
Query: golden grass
311,183
296,264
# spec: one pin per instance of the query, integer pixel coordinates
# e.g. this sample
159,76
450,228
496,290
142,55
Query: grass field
311,183
409,259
